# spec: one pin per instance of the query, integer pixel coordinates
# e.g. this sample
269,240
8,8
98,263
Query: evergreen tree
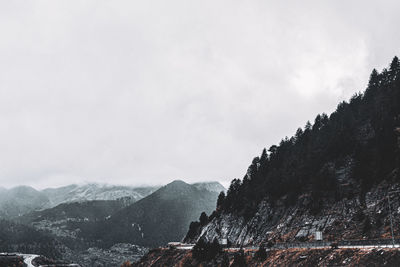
239,259
373,79
203,219
225,260
204,251
215,249
299,134
199,250
395,65
221,199
360,132
261,253
308,126
194,228
264,156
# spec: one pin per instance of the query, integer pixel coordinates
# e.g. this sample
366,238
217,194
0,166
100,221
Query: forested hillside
154,220
20,238
361,132
332,175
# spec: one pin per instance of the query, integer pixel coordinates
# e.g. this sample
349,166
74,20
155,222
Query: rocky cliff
346,219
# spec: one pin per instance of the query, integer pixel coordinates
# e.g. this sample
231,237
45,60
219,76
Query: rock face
346,219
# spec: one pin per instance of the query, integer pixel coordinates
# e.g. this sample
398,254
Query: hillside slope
20,238
156,219
333,176
20,200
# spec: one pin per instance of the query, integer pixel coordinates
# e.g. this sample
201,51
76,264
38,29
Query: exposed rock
338,220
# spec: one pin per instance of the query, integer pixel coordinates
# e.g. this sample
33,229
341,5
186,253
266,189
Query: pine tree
199,250
264,156
225,260
239,259
373,79
299,134
221,199
308,126
394,68
395,65
203,219
261,253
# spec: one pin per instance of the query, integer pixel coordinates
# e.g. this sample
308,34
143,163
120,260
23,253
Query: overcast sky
145,92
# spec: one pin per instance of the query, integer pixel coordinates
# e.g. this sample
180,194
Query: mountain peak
177,185
210,186
177,182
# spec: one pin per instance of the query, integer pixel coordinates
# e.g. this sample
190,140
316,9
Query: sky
146,92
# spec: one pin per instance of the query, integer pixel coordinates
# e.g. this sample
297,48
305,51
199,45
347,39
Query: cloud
143,93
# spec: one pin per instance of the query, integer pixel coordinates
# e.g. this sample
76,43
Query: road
352,244
322,247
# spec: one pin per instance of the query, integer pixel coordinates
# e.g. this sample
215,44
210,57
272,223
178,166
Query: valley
107,232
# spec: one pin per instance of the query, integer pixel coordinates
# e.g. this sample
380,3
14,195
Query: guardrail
341,243
302,245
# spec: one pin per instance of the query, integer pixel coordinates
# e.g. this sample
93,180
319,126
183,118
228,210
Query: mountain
94,210
156,219
20,200
333,176
210,186
95,230
76,193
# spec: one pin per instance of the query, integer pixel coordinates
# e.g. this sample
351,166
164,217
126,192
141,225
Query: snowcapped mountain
94,191
20,200
86,192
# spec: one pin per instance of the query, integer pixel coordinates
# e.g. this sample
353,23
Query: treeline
16,237
360,133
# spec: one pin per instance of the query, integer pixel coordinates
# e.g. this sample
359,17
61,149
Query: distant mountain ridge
161,217
93,191
86,227
20,200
